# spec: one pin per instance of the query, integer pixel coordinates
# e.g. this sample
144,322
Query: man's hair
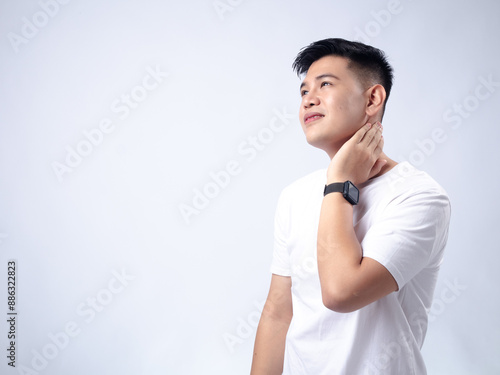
368,63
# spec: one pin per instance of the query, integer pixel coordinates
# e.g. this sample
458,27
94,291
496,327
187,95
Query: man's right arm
269,349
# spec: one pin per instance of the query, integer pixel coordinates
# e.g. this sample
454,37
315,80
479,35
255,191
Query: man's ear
376,97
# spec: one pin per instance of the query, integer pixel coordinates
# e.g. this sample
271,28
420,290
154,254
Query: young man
357,247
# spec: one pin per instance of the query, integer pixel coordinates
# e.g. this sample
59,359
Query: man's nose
311,101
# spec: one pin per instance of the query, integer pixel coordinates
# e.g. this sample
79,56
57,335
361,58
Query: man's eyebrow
326,75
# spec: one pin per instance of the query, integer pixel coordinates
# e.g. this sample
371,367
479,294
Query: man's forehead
327,66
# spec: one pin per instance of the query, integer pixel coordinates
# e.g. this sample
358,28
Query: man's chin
319,143
326,145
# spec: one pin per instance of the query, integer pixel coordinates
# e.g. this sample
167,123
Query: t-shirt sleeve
410,235
281,259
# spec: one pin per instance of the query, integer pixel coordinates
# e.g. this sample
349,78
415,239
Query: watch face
352,193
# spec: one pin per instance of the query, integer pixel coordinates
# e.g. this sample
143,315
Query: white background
192,286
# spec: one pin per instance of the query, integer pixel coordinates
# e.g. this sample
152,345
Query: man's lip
312,116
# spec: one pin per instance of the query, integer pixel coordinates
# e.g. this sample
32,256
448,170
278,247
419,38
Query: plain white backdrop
135,253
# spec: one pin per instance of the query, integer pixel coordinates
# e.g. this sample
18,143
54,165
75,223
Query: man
357,247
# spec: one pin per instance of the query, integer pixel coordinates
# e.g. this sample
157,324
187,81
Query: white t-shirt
402,222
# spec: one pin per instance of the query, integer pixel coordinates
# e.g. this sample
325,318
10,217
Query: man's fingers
370,133
378,146
360,135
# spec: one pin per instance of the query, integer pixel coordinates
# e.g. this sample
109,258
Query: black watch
348,190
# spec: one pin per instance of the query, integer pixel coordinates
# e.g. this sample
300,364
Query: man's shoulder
407,185
404,177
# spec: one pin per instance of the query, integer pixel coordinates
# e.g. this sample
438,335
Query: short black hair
368,63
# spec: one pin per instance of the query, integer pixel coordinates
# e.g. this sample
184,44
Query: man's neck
387,167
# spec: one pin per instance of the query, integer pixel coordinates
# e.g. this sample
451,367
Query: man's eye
303,92
325,83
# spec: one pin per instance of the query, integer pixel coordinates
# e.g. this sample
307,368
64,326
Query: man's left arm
348,280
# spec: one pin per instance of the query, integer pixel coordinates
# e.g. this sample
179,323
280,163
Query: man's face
333,104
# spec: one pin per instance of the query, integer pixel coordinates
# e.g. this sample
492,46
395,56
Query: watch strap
349,191
336,187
